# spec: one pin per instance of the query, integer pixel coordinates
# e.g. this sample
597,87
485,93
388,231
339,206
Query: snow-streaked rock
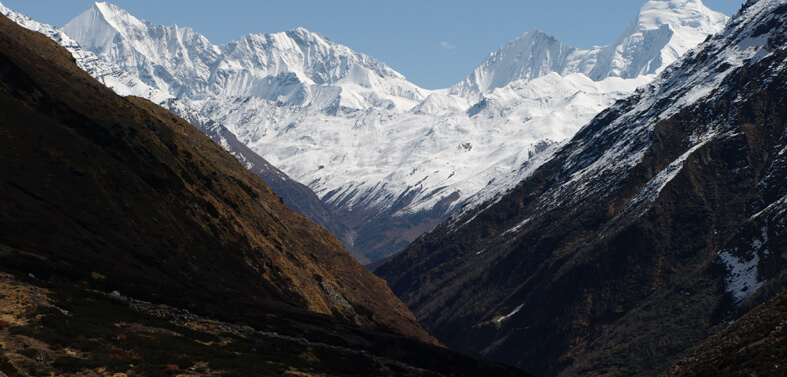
687,172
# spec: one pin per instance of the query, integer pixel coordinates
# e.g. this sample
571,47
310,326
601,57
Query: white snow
517,227
742,280
596,163
505,317
779,205
743,277
359,134
662,32
296,67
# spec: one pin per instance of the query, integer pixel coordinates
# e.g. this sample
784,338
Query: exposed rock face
639,236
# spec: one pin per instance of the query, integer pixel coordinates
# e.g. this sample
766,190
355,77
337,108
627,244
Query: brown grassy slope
56,329
99,183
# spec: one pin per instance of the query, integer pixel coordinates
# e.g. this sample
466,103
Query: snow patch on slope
653,188
742,280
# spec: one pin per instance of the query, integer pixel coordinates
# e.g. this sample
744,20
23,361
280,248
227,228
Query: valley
281,204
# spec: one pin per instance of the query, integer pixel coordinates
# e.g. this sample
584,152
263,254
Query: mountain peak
536,32
111,13
95,26
294,66
680,14
103,6
533,54
662,31
300,30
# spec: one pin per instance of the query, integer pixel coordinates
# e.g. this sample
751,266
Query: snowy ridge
297,66
440,154
662,32
364,138
113,77
530,56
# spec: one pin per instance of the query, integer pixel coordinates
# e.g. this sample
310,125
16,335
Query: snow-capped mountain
394,159
662,32
660,222
107,73
295,67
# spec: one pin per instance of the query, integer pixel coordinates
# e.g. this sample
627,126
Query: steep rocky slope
294,194
105,193
654,225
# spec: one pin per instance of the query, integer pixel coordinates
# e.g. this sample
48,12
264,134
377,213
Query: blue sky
435,43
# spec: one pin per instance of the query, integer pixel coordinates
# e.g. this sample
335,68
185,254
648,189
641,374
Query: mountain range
621,210
326,115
